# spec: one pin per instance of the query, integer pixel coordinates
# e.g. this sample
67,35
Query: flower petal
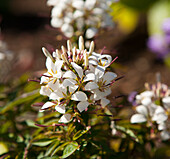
90,86
78,4
142,110
81,106
165,135
45,91
69,74
146,101
69,82
166,102
99,71
104,102
60,108
67,30
78,69
138,118
46,105
79,96
58,65
90,4
65,118
89,76
57,95
108,77
91,32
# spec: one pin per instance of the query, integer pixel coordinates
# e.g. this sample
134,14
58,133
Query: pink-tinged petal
69,74
138,118
60,108
46,106
90,86
69,82
81,106
108,77
104,102
78,69
142,110
89,77
45,91
79,96
65,118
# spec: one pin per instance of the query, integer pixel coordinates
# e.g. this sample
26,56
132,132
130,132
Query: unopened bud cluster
76,80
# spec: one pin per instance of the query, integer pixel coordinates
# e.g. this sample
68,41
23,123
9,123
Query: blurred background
25,28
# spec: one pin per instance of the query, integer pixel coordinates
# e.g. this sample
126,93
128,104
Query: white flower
159,115
65,118
141,116
166,102
74,81
81,14
145,97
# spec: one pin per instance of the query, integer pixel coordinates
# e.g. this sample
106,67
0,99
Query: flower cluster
75,80
75,16
153,108
161,44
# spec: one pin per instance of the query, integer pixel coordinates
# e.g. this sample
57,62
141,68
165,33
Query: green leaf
70,149
52,147
54,157
22,99
31,123
59,148
127,131
43,142
79,134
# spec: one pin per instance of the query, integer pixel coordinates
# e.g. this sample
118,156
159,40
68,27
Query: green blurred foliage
156,15
140,5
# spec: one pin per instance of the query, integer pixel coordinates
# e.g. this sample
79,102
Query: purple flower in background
131,98
166,26
160,44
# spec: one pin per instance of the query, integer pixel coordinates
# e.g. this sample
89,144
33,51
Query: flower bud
91,48
47,54
81,43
